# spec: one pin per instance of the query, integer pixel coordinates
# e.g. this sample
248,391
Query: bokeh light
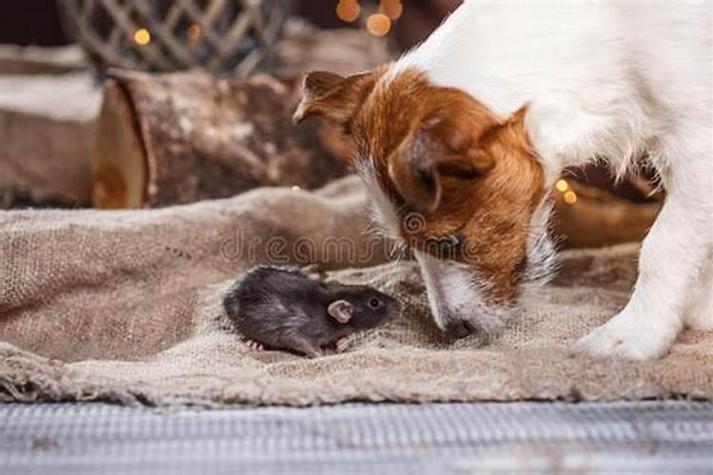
348,10
562,185
142,37
391,8
378,24
570,197
194,32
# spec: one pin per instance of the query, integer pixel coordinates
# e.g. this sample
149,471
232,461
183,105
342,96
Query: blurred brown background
36,22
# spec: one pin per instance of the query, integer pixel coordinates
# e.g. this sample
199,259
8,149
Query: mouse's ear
340,310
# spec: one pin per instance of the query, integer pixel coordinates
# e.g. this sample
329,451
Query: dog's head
447,177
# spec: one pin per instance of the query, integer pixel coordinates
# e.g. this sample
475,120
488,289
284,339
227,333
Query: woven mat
125,306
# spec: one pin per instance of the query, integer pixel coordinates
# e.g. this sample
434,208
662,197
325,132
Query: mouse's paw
341,345
335,347
254,345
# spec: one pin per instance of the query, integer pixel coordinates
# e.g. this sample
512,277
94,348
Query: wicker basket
223,36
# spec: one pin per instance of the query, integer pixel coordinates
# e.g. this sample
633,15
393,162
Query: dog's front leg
699,315
672,257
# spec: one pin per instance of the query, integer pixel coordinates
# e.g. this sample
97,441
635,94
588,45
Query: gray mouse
282,308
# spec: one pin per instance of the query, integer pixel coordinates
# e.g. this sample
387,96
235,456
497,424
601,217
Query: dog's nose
456,328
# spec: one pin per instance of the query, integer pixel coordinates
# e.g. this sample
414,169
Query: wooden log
46,130
118,157
183,137
36,60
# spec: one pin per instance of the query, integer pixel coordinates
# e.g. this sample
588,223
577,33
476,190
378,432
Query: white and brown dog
471,129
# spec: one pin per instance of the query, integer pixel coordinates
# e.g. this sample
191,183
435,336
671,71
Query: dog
466,134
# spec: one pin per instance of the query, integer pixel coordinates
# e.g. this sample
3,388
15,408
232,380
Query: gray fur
282,308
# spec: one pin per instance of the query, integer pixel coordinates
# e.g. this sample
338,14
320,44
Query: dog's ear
340,310
333,96
439,148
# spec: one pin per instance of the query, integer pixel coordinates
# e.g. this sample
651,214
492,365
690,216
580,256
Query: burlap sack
125,306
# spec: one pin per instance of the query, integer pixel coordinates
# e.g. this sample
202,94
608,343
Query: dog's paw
624,337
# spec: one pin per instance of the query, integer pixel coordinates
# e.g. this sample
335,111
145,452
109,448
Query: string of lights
142,36
377,21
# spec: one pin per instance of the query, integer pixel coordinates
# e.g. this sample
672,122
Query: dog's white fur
613,80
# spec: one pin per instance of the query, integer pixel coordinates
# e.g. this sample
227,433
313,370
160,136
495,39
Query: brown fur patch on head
439,152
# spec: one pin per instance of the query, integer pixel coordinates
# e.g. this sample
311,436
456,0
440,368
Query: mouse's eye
374,303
